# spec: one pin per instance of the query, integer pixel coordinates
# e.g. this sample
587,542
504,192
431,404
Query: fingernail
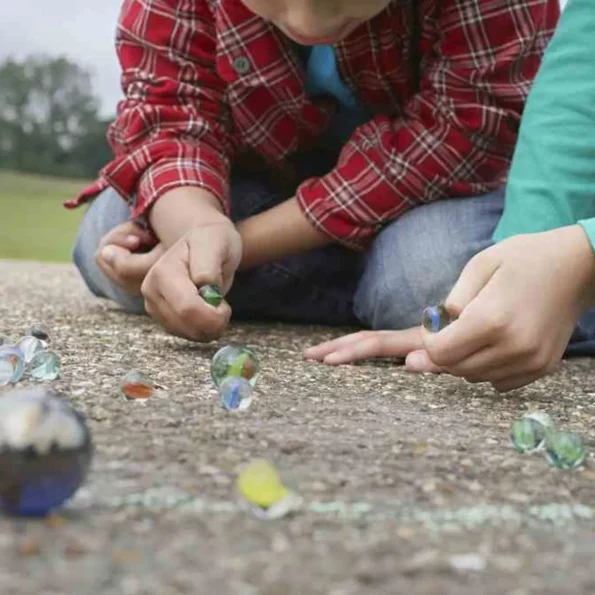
108,254
415,362
132,239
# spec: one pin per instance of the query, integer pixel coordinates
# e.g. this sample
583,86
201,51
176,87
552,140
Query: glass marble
234,361
529,433
30,346
435,318
236,393
38,331
262,490
565,450
45,451
11,358
45,365
136,386
211,294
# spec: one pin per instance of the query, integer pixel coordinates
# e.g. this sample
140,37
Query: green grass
33,223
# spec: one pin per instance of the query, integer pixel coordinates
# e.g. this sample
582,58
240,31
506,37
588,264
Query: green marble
565,450
211,294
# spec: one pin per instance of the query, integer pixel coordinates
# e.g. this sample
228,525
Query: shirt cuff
589,226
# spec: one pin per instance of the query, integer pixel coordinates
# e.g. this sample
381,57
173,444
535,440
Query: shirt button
241,65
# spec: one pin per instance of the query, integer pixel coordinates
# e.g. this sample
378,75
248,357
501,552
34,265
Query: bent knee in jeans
416,260
107,211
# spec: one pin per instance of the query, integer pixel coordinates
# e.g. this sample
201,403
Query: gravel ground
409,483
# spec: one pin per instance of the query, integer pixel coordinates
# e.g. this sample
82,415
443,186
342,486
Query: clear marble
30,345
12,358
236,393
529,433
136,386
45,365
565,450
235,361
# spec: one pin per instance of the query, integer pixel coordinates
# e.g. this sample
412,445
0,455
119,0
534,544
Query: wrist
580,256
183,209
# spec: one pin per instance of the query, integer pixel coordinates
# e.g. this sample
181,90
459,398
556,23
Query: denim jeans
413,262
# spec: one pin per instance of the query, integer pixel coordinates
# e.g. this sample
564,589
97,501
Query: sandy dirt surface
409,483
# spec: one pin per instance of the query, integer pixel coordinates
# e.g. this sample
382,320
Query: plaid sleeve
455,138
170,128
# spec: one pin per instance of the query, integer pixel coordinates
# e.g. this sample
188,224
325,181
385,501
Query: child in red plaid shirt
332,161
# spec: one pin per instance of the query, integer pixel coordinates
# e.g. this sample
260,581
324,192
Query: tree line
49,119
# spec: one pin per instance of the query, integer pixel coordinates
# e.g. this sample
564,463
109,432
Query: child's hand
205,255
519,302
120,259
365,345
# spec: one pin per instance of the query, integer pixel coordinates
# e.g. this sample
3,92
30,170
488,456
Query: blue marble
435,318
45,451
236,393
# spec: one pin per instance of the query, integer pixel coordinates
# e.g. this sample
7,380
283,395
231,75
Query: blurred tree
49,118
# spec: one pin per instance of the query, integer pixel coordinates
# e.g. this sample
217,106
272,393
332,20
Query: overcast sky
81,29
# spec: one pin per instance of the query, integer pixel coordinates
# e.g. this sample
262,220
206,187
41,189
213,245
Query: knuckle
540,362
496,322
524,346
185,309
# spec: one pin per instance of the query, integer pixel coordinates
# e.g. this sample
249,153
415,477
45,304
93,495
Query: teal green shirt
552,178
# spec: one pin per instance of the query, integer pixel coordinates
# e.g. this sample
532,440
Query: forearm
183,209
277,233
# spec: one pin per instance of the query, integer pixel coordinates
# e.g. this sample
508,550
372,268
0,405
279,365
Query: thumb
472,280
113,254
465,335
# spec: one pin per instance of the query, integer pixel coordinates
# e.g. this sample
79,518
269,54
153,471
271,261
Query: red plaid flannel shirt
205,79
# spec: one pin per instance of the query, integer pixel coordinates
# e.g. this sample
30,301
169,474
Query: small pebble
39,332
74,549
29,547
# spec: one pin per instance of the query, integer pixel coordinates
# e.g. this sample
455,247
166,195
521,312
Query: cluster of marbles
29,356
263,492
536,432
45,451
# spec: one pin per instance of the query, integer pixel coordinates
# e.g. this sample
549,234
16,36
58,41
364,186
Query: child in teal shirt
523,300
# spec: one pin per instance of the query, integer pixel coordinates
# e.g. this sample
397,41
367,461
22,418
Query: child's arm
519,300
173,146
454,138
170,131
